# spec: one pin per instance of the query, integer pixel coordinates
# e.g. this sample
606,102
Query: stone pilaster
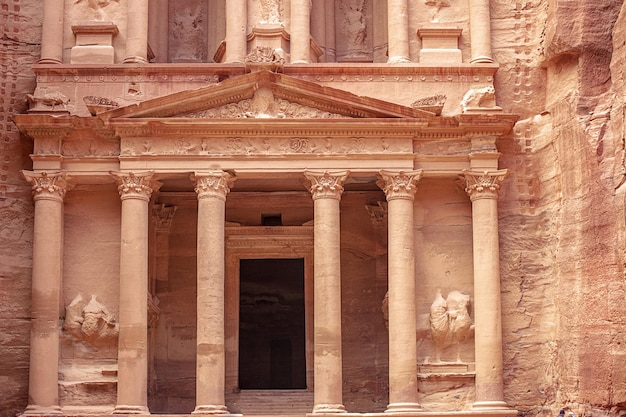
236,30
49,190
480,31
482,188
135,189
398,31
211,188
300,44
326,188
137,33
52,32
400,188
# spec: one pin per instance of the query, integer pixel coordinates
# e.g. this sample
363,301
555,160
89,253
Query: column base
398,60
36,410
328,409
210,409
482,60
490,405
403,408
135,60
131,409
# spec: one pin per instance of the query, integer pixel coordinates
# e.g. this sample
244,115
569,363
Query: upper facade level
434,32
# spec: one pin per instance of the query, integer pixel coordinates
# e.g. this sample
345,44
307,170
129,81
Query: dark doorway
271,324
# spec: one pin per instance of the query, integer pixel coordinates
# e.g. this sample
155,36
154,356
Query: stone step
271,402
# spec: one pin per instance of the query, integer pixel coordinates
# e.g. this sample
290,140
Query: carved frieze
264,146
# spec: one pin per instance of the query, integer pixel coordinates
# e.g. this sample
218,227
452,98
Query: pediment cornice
265,94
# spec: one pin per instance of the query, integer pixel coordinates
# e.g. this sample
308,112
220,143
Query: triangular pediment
265,94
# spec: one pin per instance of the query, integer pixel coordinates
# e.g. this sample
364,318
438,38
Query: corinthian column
400,188
398,31
132,354
300,44
43,389
52,32
236,28
211,188
326,188
480,31
137,33
482,188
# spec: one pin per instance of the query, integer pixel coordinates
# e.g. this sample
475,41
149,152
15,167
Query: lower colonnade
212,188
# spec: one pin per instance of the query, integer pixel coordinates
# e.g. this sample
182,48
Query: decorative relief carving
450,322
378,213
271,11
326,184
97,9
47,101
89,148
355,27
90,322
262,106
213,184
479,98
97,105
442,148
162,216
134,184
47,185
188,32
484,184
264,146
399,184
264,58
432,103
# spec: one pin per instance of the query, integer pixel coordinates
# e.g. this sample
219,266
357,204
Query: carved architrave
47,185
399,184
213,184
132,184
326,184
485,184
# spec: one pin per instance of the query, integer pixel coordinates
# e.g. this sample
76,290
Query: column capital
47,185
483,184
213,184
399,184
326,184
134,185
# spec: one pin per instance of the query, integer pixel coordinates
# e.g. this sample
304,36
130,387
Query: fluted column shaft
480,31
132,358
137,32
326,189
300,44
211,188
400,188
43,389
236,28
482,188
52,32
398,31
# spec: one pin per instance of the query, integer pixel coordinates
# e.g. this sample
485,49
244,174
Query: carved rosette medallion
213,184
134,185
162,216
47,185
326,184
484,184
399,184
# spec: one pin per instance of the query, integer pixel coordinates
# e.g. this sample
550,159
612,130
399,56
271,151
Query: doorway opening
272,352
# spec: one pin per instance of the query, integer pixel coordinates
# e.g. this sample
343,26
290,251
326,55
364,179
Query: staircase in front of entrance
270,402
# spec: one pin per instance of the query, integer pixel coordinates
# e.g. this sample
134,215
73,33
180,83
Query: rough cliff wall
562,208
20,21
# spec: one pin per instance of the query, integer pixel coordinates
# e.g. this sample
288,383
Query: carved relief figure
450,321
188,33
90,321
98,8
354,25
271,11
436,5
484,97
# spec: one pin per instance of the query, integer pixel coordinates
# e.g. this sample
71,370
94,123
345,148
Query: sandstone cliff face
562,207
